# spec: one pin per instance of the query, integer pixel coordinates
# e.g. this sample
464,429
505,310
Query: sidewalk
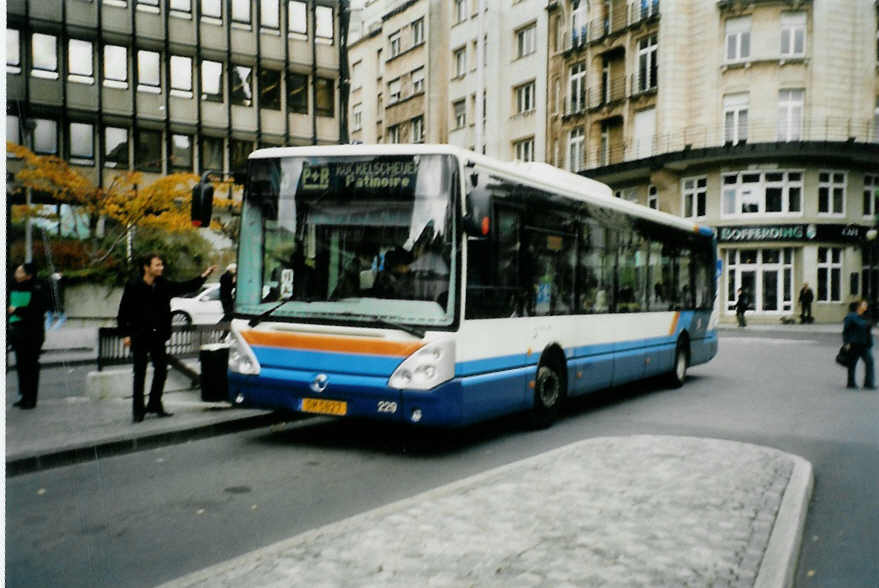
627,511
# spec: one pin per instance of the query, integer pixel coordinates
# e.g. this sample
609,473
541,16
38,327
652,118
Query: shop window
44,56
80,61
181,152
270,89
297,93
148,150
116,147
242,87
82,143
297,15
829,274
831,193
115,66
13,51
181,76
211,157
212,81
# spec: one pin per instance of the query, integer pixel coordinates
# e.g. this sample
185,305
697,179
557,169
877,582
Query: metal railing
621,17
185,342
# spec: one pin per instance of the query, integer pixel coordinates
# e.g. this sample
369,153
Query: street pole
28,128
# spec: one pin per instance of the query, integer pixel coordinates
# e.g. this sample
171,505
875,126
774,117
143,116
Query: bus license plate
321,406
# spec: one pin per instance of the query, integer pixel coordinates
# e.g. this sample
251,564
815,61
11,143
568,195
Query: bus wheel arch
678,374
550,386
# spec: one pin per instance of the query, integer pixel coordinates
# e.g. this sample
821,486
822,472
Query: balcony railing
621,17
830,129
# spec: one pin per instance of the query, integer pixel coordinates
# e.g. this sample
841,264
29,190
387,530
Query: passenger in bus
358,277
394,279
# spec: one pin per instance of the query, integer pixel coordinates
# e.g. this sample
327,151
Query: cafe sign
834,233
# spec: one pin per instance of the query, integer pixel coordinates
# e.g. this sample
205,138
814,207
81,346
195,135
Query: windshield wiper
258,319
412,330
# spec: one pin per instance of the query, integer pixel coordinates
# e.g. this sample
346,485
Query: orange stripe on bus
674,323
330,343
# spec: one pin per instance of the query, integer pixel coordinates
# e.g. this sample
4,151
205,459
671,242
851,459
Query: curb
779,565
122,444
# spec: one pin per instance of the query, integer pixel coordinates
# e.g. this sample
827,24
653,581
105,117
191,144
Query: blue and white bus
432,285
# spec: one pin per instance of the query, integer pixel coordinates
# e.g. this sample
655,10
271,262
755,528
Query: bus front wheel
678,374
547,396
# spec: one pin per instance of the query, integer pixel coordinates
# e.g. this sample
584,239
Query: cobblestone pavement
645,511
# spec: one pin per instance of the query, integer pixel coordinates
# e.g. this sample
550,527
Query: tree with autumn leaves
125,202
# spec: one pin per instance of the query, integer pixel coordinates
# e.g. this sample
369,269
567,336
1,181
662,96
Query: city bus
435,286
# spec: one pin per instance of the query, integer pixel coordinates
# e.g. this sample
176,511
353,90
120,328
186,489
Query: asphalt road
140,519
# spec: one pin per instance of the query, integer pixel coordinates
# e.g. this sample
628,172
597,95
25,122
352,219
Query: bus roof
538,175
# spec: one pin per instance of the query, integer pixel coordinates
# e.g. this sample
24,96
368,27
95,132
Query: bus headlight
427,368
241,358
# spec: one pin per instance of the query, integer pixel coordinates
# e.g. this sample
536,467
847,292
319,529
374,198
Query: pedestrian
856,334
26,306
742,304
227,291
56,317
806,297
145,323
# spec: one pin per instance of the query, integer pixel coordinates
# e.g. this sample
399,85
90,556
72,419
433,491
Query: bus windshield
354,239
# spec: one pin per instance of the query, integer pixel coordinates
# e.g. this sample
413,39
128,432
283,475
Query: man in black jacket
26,306
145,321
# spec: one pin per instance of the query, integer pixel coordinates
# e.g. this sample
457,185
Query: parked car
202,308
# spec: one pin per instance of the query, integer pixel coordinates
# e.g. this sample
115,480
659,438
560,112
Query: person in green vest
26,307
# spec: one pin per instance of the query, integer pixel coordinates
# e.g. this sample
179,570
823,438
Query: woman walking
856,334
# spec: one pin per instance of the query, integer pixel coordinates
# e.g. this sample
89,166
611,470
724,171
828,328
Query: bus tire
548,395
678,374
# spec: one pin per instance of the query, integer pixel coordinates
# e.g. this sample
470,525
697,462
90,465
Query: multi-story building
398,77
759,118
172,85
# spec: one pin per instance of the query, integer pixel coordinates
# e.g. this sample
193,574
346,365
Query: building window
239,151
181,76
575,149
270,89
460,10
45,138
242,85
738,39
831,192
297,16
647,63
241,11
13,133
460,108
357,117
876,122
212,81
326,103
418,80
148,76
80,63
323,23
526,41
212,9
770,192
269,15
417,127
793,34
871,194
393,91
524,149
148,150
525,98
418,32
115,147
152,4
115,66
393,134
394,42
790,115
652,197
13,51
182,6
211,154
695,197
82,143
735,117
829,274
297,93
44,56
460,62
578,25
181,152
577,96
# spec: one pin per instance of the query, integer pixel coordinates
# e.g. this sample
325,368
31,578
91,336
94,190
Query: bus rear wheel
548,396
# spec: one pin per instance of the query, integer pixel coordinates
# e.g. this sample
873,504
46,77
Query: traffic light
202,202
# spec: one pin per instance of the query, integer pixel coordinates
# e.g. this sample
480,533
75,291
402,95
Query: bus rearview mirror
477,220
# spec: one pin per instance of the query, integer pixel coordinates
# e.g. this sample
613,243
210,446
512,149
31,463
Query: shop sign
833,233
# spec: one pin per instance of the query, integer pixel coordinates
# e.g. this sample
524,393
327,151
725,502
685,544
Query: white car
203,308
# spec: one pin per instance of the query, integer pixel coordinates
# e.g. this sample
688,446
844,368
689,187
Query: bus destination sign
374,175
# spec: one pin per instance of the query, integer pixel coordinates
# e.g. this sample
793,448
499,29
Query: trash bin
214,359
